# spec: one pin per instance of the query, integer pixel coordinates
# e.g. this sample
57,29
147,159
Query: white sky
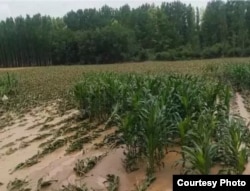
13,8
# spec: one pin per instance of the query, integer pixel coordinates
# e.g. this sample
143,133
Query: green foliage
236,74
171,31
232,147
153,111
8,84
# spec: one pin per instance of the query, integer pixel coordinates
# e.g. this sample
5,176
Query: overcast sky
13,8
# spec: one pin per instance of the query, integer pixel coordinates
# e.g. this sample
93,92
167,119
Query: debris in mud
85,165
46,127
7,145
98,145
53,146
23,145
48,119
28,163
49,126
33,126
1,183
95,135
130,162
65,129
113,140
10,151
40,137
47,149
22,124
71,187
46,143
22,138
41,184
113,182
77,144
77,135
18,185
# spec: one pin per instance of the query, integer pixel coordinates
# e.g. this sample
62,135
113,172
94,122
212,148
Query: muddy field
44,130
45,142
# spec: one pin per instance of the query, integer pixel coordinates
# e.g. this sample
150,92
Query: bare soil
21,139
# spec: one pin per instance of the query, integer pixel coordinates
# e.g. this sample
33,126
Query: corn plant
200,157
153,111
199,151
233,147
236,75
8,84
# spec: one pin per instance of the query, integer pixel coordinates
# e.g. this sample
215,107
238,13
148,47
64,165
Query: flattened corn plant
154,111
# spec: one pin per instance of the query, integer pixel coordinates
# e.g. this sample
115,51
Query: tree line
171,31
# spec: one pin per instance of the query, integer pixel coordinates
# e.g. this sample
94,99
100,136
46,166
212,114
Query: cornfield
155,112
